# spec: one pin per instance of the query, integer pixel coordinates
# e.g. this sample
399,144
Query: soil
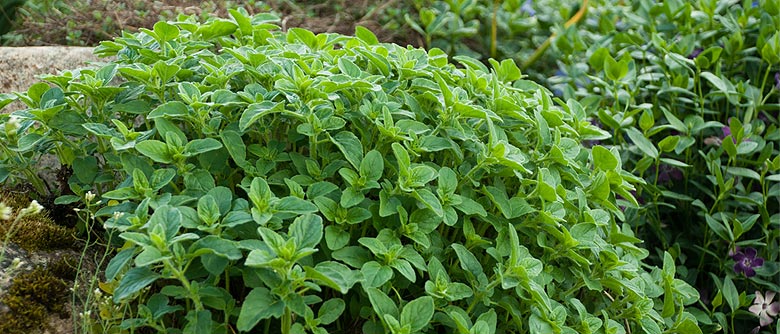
86,23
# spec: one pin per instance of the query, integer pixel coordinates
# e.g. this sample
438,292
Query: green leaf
133,281
155,150
235,146
468,261
719,83
603,159
646,121
217,28
85,169
208,211
302,35
366,35
402,157
121,193
372,166
375,274
244,22
165,128
296,205
260,304
66,199
219,246
650,326
448,181
118,262
418,313
729,146
430,200
349,68
731,294
596,60
198,322
471,207
161,178
256,111
336,238
744,172
722,231
330,310
306,230
615,70
350,146
642,142
668,267
164,71
101,130
199,146
420,175
381,303
339,277
321,188
669,143
165,31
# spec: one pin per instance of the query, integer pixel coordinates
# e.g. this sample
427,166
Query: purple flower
528,7
764,308
734,251
726,132
668,173
777,80
746,261
696,52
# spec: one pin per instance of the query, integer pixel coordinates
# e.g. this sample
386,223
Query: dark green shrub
690,92
291,182
8,14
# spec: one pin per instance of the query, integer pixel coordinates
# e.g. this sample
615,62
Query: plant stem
494,29
286,321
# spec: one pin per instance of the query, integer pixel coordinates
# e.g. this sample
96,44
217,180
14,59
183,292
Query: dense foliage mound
271,181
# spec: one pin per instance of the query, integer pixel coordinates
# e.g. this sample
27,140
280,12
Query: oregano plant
263,180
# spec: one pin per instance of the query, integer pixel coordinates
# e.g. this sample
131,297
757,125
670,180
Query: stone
21,67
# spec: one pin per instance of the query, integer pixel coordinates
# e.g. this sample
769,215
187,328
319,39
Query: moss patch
30,299
36,232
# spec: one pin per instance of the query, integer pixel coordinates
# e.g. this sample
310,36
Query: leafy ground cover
400,190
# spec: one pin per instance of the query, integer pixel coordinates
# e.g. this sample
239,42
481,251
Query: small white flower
118,215
32,209
89,196
98,293
12,124
5,212
764,308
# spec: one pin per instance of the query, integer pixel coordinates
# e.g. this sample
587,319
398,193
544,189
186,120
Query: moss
64,268
36,232
31,298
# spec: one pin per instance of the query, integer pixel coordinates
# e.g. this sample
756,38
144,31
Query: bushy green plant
289,182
